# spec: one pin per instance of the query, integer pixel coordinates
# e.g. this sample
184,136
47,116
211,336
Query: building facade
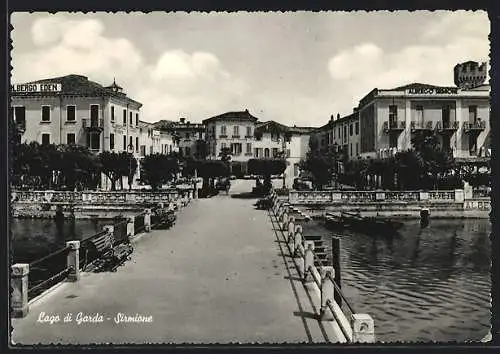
74,110
190,137
233,130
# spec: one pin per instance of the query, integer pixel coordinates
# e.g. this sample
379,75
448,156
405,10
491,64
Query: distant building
233,130
470,74
190,136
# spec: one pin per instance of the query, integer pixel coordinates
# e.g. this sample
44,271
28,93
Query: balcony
474,127
419,126
236,136
248,154
223,136
93,124
396,126
447,127
248,136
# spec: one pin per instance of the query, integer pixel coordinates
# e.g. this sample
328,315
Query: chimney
338,116
183,120
331,118
246,110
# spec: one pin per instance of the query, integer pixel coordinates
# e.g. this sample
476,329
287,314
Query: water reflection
430,283
34,238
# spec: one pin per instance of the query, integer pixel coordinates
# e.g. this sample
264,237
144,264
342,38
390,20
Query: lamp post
283,154
336,168
131,152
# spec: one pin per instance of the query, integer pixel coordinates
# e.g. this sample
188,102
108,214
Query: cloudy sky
295,68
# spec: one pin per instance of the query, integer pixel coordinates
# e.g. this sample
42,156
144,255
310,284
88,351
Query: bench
167,218
109,256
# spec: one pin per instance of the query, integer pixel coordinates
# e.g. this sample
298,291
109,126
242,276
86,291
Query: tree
266,168
157,169
111,166
201,149
322,165
127,165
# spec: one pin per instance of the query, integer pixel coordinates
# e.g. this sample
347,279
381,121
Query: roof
302,130
232,116
271,125
79,85
415,85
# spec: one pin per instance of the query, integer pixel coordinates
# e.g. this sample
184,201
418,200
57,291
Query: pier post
336,267
131,226
308,261
291,230
19,299
73,260
327,293
147,220
363,329
297,239
284,220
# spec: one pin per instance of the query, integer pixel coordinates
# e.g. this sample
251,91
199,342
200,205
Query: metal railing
47,271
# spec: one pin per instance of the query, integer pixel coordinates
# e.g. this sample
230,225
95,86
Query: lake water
428,284
34,238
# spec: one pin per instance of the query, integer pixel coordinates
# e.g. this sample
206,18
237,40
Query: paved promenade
217,276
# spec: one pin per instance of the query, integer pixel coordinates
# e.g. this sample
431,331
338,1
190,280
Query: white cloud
177,83
455,37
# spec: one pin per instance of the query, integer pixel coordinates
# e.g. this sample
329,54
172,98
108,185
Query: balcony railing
97,124
236,136
223,136
474,126
428,125
249,136
394,126
450,126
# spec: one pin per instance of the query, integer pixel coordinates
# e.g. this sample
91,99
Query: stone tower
470,74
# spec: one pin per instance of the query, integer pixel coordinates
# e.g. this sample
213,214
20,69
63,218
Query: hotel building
74,110
189,136
386,119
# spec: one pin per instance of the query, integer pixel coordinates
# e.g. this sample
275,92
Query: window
169,148
94,115
249,148
223,146
222,130
420,114
350,149
340,136
393,141
287,153
151,150
143,150
45,113
256,152
111,141
445,116
334,133
357,148
472,114
20,116
125,143
345,132
136,144
249,131
95,141
112,113
187,135
266,152
70,139
275,152
357,129
130,119
350,129
188,151
70,113
130,143
393,115
45,138
236,130
137,119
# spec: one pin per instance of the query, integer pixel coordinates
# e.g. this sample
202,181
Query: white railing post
73,260
147,220
19,281
284,219
308,261
291,231
297,239
131,226
363,328
327,293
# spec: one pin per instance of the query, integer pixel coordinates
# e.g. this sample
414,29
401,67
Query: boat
365,224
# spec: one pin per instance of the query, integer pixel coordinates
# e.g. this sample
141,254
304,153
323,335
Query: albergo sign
37,87
433,91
